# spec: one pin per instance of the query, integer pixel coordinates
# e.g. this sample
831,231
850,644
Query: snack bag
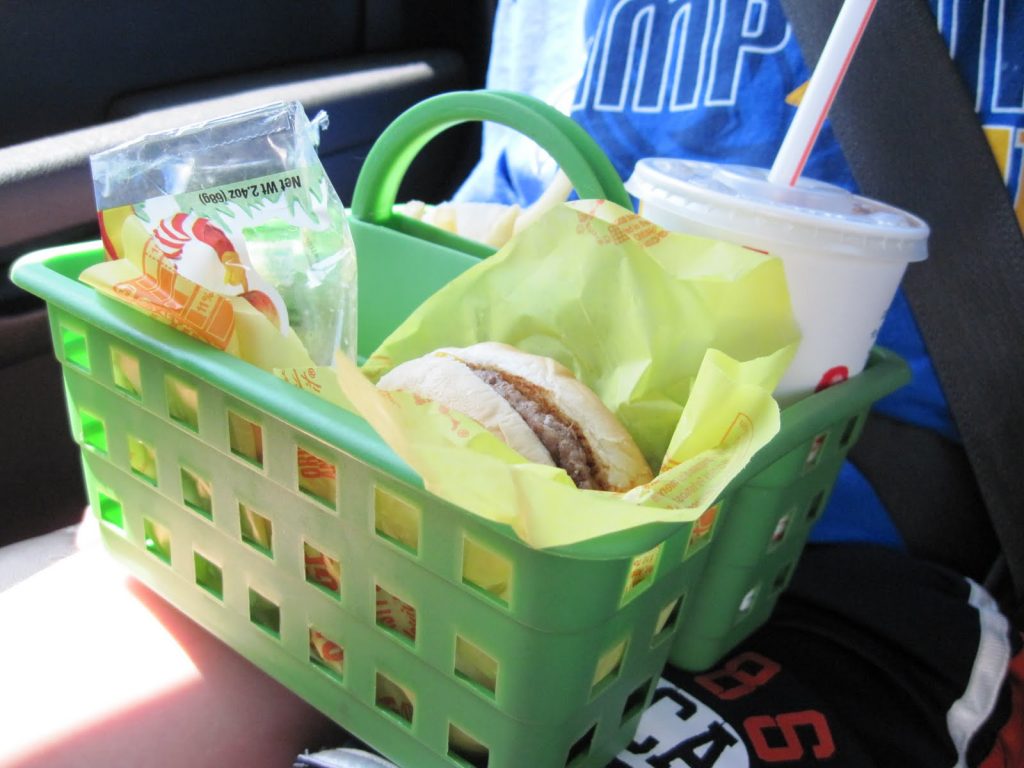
231,231
682,338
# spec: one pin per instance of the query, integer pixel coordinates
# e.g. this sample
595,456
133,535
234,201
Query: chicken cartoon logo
203,253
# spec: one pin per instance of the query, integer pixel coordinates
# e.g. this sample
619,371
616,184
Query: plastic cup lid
740,198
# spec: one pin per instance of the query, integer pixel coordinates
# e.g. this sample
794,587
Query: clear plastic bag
242,206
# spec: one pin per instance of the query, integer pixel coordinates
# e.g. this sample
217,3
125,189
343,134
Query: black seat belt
907,126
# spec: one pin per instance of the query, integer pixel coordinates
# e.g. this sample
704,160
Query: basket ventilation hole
487,571
322,570
815,451
157,539
126,373
317,477
780,530
392,697
608,666
635,702
816,504
264,613
396,520
782,578
641,573
395,615
245,438
257,530
142,458
465,750
748,602
111,511
325,654
581,747
94,431
209,576
848,431
182,403
475,666
667,618
76,349
196,493
703,529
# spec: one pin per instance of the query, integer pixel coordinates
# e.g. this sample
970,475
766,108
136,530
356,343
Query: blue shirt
711,81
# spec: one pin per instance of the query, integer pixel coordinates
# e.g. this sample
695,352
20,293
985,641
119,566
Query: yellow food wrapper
319,380
683,338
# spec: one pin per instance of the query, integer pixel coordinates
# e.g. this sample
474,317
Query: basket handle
586,165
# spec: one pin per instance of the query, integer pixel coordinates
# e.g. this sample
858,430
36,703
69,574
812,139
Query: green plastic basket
572,649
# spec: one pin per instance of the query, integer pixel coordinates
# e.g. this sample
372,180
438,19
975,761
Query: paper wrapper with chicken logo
683,338
185,272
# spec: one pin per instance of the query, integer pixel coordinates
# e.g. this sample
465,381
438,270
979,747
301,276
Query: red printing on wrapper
320,571
395,614
457,426
303,379
312,467
326,648
625,228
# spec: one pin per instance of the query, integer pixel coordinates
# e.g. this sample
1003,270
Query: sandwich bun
532,403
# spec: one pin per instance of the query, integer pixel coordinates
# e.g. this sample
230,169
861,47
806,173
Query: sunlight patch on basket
396,520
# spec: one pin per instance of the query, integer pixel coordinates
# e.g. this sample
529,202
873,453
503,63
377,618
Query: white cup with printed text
844,255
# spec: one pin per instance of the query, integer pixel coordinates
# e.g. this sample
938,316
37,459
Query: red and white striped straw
821,91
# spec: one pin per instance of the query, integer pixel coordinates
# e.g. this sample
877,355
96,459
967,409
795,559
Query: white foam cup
844,255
